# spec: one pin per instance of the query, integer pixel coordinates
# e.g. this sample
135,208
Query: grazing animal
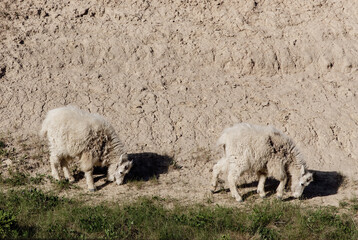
72,133
263,150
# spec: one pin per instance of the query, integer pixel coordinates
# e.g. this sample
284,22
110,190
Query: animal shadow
148,165
270,188
98,174
145,166
323,184
78,176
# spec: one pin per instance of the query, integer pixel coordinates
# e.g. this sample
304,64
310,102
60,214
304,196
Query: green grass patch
34,214
354,205
7,224
62,184
16,179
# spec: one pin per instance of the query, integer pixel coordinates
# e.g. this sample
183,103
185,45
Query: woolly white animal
263,150
72,133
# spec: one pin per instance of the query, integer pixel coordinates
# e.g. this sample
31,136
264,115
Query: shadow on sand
270,188
148,165
145,167
324,184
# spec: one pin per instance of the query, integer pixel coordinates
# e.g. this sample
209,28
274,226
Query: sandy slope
171,76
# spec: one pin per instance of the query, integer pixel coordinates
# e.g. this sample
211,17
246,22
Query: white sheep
72,133
263,150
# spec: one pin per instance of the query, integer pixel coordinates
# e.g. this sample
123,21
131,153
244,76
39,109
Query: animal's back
244,133
248,143
69,129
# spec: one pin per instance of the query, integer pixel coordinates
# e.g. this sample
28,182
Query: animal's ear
310,177
123,158
302,170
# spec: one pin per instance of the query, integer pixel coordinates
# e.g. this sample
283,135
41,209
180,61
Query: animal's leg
232,179
89,180
66,171
261,185
55,163
216,171
110,172
87,167
281,187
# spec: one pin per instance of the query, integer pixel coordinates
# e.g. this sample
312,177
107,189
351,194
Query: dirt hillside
170,75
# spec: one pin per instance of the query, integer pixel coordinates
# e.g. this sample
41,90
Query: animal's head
123,167
305,178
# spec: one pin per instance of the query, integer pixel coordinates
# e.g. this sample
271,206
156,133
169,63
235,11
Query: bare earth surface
171,76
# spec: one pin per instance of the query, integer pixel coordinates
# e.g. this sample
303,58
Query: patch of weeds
354,204
225,237
158,198
138,184
63,185
93,223
98,221
61,231
23,158
266,217
343,204
38,179
16,179
5,152
326,223
7,225
49,216
208,219
209,198
27,209
200,219
34,199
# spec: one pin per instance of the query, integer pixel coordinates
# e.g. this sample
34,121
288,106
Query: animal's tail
228,132
43,131
223,138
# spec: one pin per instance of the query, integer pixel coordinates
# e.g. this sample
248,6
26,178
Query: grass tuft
15,179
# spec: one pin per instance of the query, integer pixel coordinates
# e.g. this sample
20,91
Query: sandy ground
171,76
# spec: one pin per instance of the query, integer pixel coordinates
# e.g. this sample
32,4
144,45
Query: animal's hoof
92,190
262,196
71,181
279,197
239,200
